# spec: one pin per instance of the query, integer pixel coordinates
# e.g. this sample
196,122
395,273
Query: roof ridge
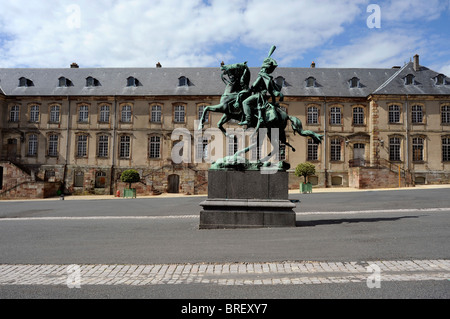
382,86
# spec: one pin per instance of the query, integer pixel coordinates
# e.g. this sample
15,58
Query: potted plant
305,170
130,176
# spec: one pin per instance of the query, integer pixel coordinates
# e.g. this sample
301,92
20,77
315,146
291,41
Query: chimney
158,65
74,66
416,64
313,65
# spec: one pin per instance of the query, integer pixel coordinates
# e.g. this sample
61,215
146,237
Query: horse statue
266,115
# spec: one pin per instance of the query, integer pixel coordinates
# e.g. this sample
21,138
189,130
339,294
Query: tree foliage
130,176
305,170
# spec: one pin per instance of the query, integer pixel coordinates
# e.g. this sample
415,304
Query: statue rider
263,87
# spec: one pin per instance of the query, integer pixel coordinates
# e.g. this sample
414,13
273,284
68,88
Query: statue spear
272,50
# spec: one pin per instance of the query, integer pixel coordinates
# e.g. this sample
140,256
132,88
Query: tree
305,170
130,176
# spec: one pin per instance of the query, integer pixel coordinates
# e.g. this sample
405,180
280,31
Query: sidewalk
292,191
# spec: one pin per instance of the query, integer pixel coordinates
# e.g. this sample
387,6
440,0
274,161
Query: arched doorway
173,183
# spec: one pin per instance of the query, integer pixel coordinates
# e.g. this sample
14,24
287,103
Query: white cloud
54,33
410,10
378,50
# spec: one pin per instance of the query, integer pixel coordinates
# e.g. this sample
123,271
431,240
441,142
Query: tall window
200,113
83,114
335,149
14,113
53,145
446,149
313,148
126,114
34,113
417,114
100,179
282,152
358,115
104,114
54,113
125,146
394,113
335,115
394,149
82,145
32,145
155,147
103,145
155,116
313,115
445,114
78,179
179,114
202,148
417,148
233,145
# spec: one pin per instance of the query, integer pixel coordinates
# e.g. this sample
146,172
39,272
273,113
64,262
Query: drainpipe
113,154
67,140
407,166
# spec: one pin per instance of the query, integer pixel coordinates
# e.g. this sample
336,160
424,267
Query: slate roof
331,82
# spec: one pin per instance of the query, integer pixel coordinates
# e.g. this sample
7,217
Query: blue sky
196,33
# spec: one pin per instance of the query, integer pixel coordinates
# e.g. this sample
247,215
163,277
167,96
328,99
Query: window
409,79
183,81
394,149
53,145
416,114
200,113
335,116
82,145
32,145
280,81
335,149
179,114
155,116
202,148
34,113
417,149
440,79
83,114
358,115
394,113
310,82
100,179
91,82
354,82
313,148
24,82
64,82
14,114
126,114
155,147
282,152
54,113
104,114
132,81
103,145
78,179
446,149
313,115
125,146
233,145
445,114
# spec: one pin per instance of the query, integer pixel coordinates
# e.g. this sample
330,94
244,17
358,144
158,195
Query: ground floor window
100,180
78,179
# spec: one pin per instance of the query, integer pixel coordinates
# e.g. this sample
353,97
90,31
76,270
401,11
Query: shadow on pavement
312,223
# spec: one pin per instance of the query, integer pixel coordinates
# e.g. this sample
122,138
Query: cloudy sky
189,33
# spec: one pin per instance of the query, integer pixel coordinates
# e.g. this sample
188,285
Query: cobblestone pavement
265,273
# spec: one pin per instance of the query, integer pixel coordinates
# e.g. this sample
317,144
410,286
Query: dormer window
132,81
280,81
183,81
24,82
354,83
409,79
440,79
310,82
64,82
90,82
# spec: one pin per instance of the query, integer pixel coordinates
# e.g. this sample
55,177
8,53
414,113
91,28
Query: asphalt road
353,226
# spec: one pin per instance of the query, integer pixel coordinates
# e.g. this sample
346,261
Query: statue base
247,199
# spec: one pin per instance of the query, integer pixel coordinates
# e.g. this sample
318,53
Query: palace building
77,129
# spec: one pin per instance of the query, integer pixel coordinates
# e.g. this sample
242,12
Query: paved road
407,226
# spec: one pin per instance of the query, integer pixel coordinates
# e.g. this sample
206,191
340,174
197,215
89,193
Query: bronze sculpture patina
255,107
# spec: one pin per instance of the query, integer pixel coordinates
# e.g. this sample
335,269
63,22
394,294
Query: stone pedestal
247,199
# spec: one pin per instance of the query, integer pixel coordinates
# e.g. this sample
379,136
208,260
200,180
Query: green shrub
130,176
305,170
